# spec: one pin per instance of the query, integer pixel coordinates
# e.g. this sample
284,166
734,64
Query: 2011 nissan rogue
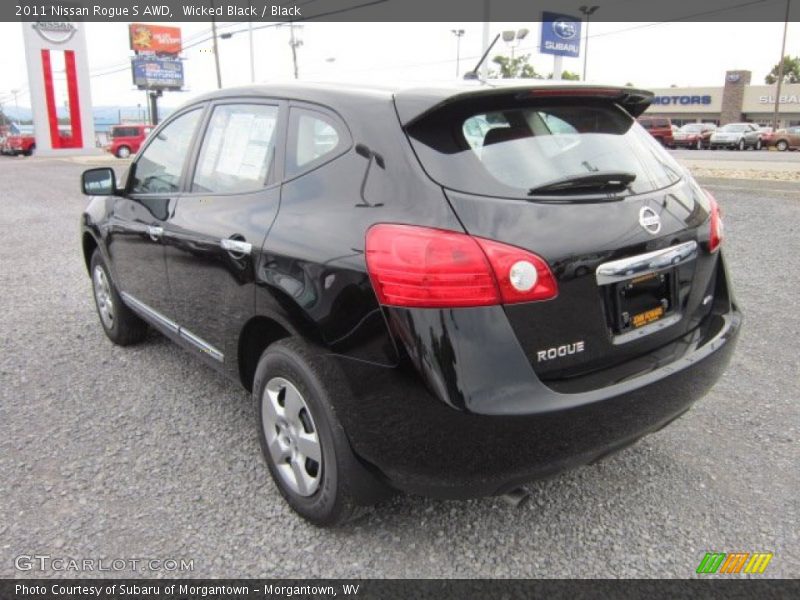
448,290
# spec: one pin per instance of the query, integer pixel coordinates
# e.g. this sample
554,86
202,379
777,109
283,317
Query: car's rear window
506,152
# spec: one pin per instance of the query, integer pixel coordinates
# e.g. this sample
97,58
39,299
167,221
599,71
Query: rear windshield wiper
605,182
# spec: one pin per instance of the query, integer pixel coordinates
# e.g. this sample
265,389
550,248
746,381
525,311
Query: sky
645,54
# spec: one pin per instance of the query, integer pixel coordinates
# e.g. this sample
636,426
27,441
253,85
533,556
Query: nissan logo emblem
649,220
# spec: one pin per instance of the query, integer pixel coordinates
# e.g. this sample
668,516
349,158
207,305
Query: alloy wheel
102,295
292,436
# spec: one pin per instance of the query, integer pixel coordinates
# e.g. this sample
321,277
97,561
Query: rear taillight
434,268
716,227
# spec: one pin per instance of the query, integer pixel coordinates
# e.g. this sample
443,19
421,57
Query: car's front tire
742,145
119,322
307,452
782,145
123,152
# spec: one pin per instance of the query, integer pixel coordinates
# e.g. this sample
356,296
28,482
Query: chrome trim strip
236,246
202,345
171,326
626,268
149,313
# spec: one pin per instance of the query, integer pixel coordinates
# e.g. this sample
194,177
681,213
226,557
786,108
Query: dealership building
735,101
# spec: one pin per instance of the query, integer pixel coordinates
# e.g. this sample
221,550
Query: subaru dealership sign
561,35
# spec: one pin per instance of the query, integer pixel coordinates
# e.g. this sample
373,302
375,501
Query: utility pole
485,39
16,105
216,48
458,33
588,11
294,43
780,70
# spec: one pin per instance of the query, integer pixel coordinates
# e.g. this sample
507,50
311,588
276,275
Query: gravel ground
144,453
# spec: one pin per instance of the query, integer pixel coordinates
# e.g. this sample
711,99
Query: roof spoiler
413,105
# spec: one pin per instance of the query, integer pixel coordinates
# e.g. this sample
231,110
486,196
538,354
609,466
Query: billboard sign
155,39
157,73
561,35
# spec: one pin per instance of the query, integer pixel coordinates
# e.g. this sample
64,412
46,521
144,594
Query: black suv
448,291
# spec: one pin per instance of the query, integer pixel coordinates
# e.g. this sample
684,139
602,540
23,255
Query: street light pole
215,45
588,11
252,61
458,33
780,70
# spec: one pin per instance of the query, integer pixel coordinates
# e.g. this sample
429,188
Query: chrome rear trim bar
641,264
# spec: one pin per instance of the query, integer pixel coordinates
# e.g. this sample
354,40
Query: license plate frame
643,300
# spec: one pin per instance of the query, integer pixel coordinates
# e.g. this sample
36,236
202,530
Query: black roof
413,101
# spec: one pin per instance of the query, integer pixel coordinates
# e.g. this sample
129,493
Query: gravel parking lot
143,452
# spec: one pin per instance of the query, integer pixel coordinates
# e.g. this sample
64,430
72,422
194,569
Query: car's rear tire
30,151
304,445
120,323
123,152
698,145
759,144
782,145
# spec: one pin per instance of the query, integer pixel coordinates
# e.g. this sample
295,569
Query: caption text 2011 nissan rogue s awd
448,290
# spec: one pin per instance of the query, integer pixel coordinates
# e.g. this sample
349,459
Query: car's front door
218,227
139,216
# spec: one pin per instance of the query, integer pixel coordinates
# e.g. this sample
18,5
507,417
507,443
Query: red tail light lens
717,229
434,268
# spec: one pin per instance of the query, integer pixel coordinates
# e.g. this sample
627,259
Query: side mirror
99,182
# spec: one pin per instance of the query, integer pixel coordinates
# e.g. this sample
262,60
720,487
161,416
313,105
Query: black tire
30,151
782,145
344,485
125,327
123,152
759,144
742,145
698,145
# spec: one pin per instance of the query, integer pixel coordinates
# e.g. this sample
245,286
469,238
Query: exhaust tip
516,497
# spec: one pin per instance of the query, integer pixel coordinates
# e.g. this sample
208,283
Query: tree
629,84
791,71
513,68
567,76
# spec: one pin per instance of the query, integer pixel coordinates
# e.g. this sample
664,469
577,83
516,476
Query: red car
693,135
23,143
659,127
126,139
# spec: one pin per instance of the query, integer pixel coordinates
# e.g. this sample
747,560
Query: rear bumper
516,429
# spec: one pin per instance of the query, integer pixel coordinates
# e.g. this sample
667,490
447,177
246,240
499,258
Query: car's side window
158,170
315,137
238,149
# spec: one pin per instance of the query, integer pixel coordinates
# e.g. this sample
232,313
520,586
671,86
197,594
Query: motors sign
682,100
561,35
157,73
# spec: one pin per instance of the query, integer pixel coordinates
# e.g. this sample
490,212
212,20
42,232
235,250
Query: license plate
643,300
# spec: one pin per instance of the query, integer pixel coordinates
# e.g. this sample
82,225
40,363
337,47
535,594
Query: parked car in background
783,139
732,136
414,308
659,127
126,139
21,143
755,139
693,135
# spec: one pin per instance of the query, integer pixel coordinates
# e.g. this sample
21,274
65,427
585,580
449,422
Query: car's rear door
219,225
139,215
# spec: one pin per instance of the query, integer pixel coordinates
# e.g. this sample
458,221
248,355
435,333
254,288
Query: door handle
154,232
237,248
